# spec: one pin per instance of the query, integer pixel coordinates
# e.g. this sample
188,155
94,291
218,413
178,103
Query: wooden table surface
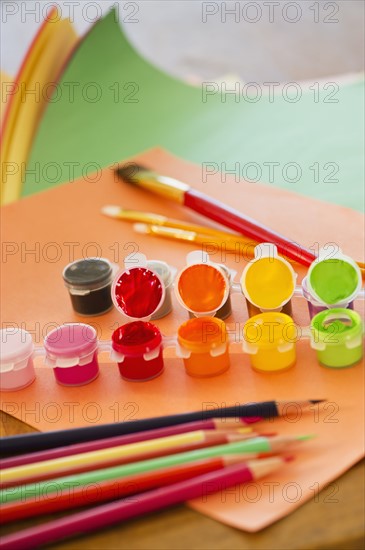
324,524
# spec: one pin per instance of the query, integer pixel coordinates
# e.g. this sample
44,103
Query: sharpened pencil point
314,401
305,437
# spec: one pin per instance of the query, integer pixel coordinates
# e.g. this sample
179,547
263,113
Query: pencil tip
314,401
305,437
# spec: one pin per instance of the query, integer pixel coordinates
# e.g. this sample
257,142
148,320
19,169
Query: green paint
324,139
333,280
336,334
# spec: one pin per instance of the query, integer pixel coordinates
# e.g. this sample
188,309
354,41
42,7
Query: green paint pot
336,335
333,281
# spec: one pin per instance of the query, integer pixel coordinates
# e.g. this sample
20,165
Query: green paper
254,445
137,107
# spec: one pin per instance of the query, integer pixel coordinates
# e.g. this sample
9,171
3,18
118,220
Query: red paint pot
137,348
138,292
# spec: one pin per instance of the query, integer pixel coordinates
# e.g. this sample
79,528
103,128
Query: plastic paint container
138,293
268,281
331,282
137,348
203,344
202,287
166,273
336,335
72,352
270,340
16,359
89,284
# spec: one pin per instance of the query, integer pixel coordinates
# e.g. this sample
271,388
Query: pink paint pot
72,352
137,348
16,359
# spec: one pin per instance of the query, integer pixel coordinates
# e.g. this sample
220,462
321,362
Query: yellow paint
269,283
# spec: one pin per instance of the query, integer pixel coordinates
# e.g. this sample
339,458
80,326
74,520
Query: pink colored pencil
121,510
88,446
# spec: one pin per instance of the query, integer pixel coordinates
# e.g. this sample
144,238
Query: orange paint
202,288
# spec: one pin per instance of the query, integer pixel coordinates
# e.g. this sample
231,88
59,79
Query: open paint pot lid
71,340
268,281
334,280
338,326
202,287
137,291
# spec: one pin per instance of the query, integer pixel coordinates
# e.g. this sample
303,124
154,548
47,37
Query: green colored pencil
40,489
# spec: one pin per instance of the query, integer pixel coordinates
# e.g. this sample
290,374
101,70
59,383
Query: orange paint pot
203,344
202,287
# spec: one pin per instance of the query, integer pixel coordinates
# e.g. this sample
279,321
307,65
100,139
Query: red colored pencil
121,510
116,488
210,439
224,424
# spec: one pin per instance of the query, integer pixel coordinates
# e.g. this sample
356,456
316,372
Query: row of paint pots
143,289
203,344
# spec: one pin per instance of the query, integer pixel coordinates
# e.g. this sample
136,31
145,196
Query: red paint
138,292
134,340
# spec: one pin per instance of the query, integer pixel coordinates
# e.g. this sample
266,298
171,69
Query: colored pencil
121,510
213,209
255,445
114,456
116,488
39,441
220,424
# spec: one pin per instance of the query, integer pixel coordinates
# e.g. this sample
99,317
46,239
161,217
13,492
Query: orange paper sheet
42,233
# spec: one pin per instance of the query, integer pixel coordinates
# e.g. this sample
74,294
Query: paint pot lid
137,292
136,338
15,345
202,334
270,329
202,287
162,269
334,279
268,281
71,340
89,273
335,326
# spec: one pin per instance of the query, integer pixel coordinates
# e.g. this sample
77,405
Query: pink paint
16,359
138,292
72,352
137,348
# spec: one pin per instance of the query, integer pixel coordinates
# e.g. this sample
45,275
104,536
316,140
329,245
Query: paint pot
202,287
72,352
203,344
137,348
89,284
268,281
332,282
138,293
270,340
336,335
16,359
167,274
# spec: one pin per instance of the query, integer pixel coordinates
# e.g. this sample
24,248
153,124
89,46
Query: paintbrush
182,193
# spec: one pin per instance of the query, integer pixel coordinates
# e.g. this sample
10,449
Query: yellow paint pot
203,344
270,340
202,287
268,281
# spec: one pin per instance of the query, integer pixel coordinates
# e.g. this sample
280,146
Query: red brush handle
233,219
